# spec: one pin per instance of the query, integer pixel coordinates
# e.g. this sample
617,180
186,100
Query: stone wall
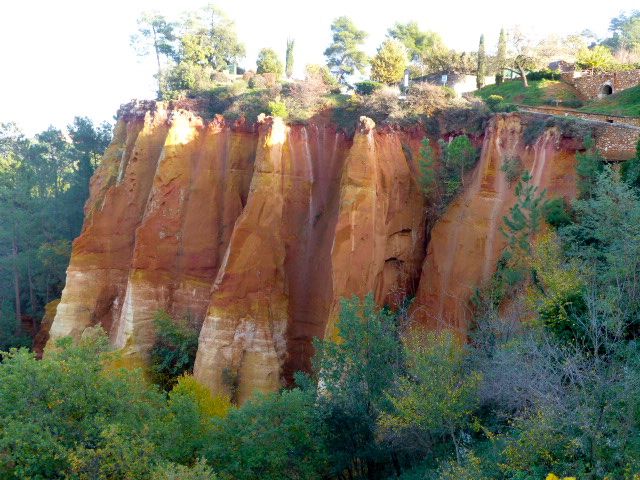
599,117
616,140
591,86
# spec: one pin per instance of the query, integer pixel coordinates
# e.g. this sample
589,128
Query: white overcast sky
59,59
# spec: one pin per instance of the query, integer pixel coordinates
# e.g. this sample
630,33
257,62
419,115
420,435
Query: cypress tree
289,58
482,64
501,58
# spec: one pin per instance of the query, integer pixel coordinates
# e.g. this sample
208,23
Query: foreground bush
67,414
271,437
73,415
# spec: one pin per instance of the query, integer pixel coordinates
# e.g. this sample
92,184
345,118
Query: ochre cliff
466,242
254,233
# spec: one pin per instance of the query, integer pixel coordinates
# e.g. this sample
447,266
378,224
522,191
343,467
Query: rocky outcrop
254,232
101,255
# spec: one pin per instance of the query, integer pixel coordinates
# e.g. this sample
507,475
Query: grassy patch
539,92
626,102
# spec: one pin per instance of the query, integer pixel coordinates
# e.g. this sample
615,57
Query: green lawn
626,103
539,92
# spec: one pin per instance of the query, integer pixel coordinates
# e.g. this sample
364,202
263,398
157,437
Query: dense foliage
268,62
174,350
44,183
344,56
74,415
547,382
388,65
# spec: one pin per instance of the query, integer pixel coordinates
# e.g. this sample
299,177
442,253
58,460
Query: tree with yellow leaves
389,63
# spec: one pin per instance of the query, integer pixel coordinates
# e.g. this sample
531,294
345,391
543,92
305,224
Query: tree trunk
455,445
156,48
32,299
16,279
523,74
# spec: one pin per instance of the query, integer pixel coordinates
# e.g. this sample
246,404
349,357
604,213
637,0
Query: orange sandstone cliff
254,233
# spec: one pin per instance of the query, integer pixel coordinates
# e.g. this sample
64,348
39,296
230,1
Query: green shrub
426,167
556,212
512,167
278,108
71,415
589,165
449,92
346,114
458,156
533,129
173,471
545,74
367,87
183,78
493,101
174,351
271,437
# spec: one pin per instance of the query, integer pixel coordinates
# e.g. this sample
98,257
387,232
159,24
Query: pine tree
589,165
525,217
344,56
501,57
482,64
426,167
288,70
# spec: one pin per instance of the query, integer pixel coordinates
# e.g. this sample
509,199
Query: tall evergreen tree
268,62
501,57
482,64
288,69
389,63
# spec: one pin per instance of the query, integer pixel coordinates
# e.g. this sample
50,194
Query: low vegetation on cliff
198,57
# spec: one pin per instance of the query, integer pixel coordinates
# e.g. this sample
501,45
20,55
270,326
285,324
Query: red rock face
255,233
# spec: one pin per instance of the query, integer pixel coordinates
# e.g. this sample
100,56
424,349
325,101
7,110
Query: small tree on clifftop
343,55
268,62
389,63
522,55
154,31
419,44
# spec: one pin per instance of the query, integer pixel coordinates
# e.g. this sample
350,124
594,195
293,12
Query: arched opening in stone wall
606,90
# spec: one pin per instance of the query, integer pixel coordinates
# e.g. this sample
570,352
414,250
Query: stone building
458,82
